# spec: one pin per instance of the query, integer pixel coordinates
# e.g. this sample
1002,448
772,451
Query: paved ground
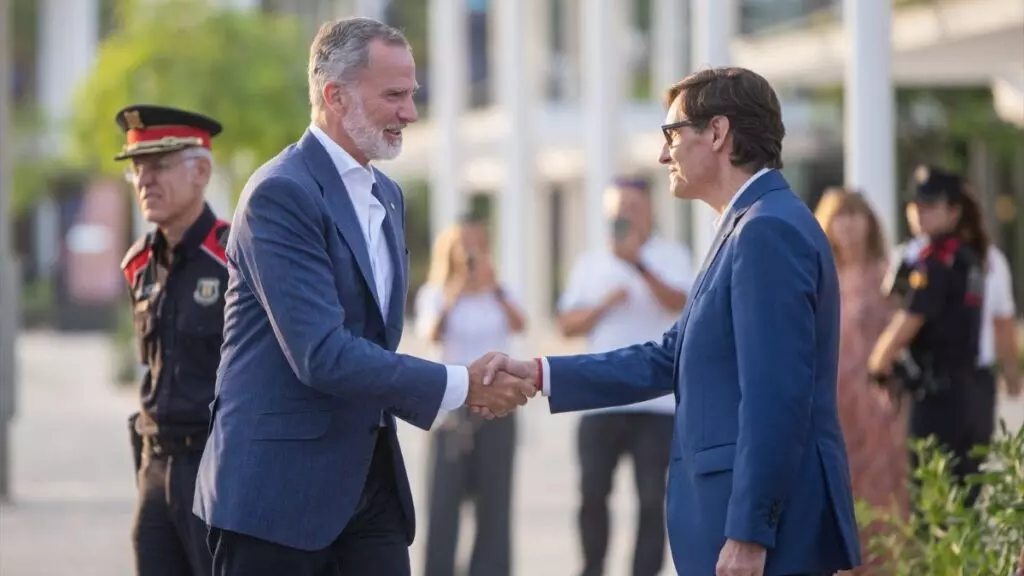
73,485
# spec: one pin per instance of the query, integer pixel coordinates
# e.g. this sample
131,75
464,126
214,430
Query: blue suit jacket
308,361
758,455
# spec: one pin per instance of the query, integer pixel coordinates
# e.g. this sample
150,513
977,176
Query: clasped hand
498,384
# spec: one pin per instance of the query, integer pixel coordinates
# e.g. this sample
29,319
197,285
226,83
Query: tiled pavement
73,488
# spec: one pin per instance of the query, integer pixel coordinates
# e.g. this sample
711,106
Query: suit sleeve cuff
545,377
456,389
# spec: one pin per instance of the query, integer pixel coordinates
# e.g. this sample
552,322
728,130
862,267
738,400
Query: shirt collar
739,193
343,161
193,237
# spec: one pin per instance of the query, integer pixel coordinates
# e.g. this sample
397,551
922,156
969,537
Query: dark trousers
373,543
168,539
959,418
473,459
603,439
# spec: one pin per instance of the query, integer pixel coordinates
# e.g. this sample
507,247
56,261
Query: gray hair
340,50
193,152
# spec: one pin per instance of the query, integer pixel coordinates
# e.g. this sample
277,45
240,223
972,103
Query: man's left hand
741,559
878,365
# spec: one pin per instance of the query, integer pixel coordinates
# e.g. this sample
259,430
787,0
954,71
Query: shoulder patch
213,245
137,258
918,279
223,229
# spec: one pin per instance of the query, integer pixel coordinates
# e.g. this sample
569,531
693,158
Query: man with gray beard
302,473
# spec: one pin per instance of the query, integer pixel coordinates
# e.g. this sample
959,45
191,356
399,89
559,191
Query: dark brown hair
970,228
747,100
838,201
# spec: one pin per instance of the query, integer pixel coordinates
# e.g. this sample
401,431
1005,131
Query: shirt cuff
456,389
545,377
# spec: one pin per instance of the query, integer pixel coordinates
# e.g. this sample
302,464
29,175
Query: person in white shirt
998,341
626,294
464,310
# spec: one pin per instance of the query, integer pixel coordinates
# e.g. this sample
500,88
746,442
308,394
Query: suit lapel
769,181
728,223
339,204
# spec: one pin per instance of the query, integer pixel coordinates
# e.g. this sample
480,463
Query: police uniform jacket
177,298
946,288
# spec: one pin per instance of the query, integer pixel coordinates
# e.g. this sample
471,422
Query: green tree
245,69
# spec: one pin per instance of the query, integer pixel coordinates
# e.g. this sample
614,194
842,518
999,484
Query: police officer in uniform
176,278
931,344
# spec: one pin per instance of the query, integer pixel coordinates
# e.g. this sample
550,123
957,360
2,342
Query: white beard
367,137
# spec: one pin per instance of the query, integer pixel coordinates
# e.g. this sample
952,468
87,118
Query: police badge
207,291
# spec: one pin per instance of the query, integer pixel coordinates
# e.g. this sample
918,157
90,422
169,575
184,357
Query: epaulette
944,250
216,242
137,258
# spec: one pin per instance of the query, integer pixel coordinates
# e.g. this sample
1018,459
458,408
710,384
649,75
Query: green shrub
942,535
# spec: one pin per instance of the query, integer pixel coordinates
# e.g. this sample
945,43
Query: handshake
498,384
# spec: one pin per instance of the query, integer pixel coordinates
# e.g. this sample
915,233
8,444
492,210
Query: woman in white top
464,310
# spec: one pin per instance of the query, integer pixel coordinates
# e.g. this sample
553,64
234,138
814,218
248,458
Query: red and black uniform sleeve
929,280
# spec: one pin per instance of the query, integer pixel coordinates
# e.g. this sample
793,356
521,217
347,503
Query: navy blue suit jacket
308,362
758,455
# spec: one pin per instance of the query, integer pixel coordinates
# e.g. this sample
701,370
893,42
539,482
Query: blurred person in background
628,293
931,345
998,343
464,310
874,429
176,278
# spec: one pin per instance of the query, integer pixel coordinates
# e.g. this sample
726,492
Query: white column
68,37
870,133
669,52
448,86
371,9
569,65
518,87
603,62
670,62
711,27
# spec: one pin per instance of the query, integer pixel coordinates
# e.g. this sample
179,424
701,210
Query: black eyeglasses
669,130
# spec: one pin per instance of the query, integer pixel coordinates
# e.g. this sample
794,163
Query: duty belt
170,445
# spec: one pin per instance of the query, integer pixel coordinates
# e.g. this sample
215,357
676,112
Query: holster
914,377
136,440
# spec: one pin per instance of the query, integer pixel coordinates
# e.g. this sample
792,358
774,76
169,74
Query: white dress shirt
545,368
359,181
732,202
998,303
